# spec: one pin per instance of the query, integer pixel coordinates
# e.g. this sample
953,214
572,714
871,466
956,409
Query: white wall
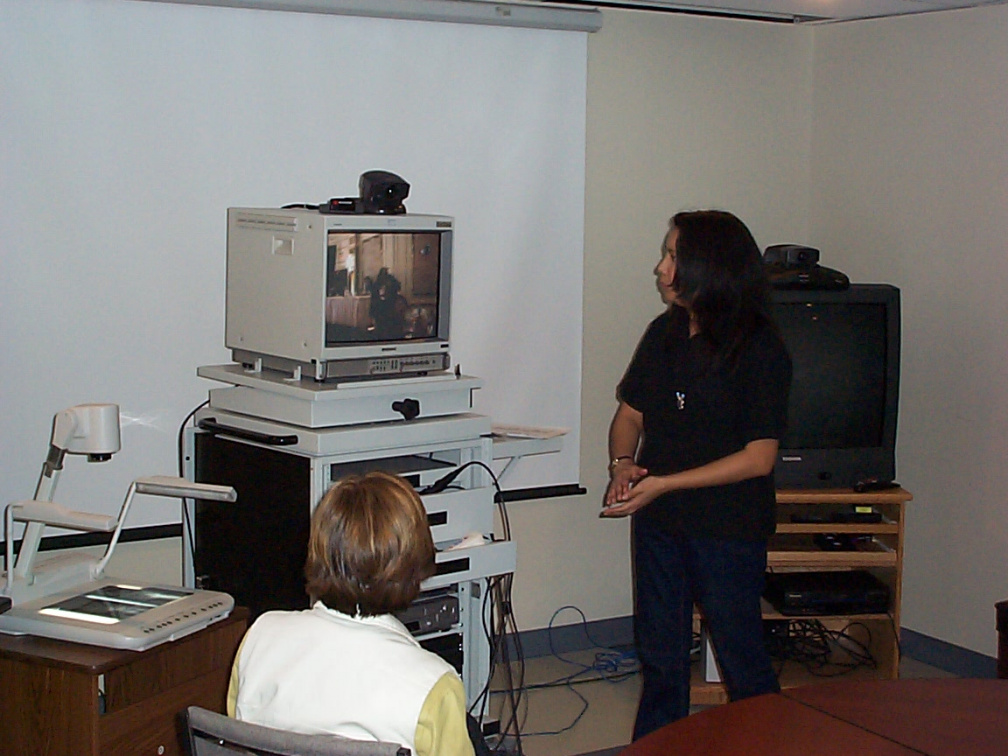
910,186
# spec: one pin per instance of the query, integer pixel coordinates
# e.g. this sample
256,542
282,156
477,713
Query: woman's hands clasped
629,490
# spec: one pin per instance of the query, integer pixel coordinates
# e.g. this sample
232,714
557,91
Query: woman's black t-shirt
694,415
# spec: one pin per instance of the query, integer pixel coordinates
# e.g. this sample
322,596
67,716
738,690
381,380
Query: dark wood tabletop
946,717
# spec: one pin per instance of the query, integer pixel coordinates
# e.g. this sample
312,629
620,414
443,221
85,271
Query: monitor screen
381,286
838,352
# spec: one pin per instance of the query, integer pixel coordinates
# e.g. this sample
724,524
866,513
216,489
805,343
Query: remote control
874,484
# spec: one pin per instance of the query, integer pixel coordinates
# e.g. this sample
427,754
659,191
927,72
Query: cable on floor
609,665
822,651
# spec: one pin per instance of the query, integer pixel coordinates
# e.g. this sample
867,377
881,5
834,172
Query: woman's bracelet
617,460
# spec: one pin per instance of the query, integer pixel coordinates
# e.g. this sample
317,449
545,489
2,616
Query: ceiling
805,11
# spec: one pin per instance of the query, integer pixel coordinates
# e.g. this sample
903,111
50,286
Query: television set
338,296
842,408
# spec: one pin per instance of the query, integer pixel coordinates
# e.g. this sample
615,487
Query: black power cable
822,651
498,624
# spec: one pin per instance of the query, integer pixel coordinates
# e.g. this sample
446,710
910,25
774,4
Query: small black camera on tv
383,193
791,255
380,193
793,266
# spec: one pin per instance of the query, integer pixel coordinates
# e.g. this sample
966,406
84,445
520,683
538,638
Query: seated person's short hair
370,546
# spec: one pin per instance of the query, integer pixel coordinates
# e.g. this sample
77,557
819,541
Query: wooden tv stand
793,548
68,698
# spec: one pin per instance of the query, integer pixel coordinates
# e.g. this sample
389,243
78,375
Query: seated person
338,283
347,666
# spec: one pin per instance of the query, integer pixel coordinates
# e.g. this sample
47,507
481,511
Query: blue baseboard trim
618,633
946,656
607,633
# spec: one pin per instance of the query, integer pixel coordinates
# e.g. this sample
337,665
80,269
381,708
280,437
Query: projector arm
91,429
163,485
38,514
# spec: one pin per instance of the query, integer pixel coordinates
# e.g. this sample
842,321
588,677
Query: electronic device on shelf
432,611
827,592
839,541
847,517
842,408
868,485
338,295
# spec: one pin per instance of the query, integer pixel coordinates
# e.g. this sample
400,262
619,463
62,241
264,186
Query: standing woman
693,442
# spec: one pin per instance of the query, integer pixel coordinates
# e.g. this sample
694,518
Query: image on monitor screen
381,286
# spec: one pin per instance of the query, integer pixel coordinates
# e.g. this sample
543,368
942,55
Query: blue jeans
725,579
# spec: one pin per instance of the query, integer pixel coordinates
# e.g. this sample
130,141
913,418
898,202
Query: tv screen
381,286
842,408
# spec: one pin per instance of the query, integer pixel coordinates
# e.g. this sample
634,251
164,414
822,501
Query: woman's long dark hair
719,272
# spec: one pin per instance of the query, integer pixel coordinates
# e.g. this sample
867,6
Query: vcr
836,592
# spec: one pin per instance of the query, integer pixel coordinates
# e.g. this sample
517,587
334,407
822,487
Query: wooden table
68,698
947,717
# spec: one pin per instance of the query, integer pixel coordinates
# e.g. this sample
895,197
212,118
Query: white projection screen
129,128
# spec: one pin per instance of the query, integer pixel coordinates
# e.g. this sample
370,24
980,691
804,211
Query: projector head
382,192
91,429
